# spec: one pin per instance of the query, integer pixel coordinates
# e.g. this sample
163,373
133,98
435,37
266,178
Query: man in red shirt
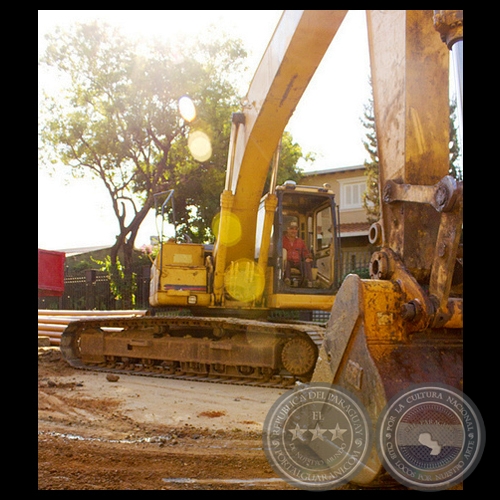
297,254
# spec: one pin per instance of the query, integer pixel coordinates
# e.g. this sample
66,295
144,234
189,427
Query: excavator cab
314,211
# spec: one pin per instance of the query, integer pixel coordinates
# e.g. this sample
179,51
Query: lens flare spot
244,280
231,231
187,109
199,145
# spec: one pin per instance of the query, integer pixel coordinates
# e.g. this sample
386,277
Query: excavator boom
292,56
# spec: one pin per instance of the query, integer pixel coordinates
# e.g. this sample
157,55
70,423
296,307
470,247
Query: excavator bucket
368,351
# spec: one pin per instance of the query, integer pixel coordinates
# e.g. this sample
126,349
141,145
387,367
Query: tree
118,120
455,165
370,196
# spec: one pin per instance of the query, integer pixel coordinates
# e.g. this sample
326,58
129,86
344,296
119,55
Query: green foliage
118,282
290,154
85,262
118,118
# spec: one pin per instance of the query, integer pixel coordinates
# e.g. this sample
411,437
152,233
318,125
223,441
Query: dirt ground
148,433
144,433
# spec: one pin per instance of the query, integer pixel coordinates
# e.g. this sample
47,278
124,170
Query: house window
351,193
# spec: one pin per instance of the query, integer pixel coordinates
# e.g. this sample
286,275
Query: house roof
333,170
355,228
77,251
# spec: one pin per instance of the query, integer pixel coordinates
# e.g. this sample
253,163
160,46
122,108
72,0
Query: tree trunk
128,279
124,281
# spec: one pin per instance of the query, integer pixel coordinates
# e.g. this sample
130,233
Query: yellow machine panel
190,254
182,280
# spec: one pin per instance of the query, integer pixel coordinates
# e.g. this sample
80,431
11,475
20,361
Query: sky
74,213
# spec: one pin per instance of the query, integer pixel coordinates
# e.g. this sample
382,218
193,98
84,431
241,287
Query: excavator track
222,350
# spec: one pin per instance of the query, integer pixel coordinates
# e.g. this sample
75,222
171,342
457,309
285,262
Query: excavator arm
404,325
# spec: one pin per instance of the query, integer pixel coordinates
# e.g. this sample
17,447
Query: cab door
326,248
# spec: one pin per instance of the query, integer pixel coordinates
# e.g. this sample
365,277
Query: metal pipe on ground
52,323
68,312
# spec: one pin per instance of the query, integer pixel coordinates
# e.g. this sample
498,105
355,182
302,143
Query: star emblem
297,433
317,433
337,433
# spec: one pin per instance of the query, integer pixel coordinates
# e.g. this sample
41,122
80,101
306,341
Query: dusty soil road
148,433
144,433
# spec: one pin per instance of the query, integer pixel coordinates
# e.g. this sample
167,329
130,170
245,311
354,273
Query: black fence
92,291
356,262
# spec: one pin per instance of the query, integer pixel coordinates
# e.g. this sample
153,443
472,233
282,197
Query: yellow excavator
240,326
401,326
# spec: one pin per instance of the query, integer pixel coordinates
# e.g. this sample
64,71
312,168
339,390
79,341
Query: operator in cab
297,256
